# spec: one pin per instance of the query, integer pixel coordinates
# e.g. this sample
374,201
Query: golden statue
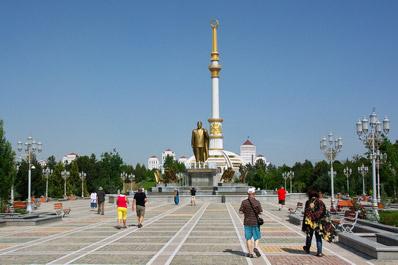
200,144
170,175
242,177
158,177
227,175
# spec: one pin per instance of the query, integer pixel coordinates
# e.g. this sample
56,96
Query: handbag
260,220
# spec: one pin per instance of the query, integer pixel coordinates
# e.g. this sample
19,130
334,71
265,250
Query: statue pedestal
202,177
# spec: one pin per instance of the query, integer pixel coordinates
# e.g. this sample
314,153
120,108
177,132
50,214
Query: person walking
139,200
176,196
314,211
93,200
193,193
122,202
251,208
281,197
100,200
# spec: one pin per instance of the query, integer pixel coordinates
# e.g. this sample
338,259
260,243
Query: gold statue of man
200,144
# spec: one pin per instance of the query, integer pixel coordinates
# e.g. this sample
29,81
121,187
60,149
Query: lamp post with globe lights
335,147
372,139
131,178
65,174
363,171
285,176
47,173
123,176
31,147
82,176
347,172
380,159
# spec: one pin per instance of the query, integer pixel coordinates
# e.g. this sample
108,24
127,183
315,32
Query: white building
166,153
261,157
153,162
69,158
248,153
183,160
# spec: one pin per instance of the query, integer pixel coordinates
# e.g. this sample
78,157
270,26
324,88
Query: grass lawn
389,218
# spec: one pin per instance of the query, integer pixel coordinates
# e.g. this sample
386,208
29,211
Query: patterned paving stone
113,259
274,229
16,240
284,249
5,246
209,260
213,240
51,248
143,240
305,259
33,234
33,259
128,247
279,234
218,248
279,240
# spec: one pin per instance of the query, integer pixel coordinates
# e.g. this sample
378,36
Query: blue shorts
93,204
252,231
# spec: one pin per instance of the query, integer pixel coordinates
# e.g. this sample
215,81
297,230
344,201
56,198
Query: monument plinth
202,177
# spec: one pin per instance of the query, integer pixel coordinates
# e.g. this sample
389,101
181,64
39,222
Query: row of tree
105,172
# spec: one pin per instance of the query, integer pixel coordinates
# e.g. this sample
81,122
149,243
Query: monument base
202,177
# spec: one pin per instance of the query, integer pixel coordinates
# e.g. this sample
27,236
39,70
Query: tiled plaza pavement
209,233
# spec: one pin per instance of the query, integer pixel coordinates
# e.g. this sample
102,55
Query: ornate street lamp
47,173
30,149
65,174
331,154
380,159
372,139
285,176
82,176
123,176
363,171
347,173
131,178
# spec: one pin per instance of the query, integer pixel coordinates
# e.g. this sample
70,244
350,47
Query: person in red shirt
122,202
281,196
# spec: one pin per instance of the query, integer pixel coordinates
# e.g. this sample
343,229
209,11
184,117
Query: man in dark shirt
193,193
101,200
140,199
250,222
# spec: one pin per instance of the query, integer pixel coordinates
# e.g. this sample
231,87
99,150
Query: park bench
59,209
19,205
299,208
348,222
341,205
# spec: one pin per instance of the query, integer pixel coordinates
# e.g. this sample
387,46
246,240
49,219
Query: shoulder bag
260,220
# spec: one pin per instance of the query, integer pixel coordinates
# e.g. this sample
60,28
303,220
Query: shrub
362,211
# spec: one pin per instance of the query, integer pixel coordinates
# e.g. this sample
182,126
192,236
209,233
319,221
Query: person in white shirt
93,199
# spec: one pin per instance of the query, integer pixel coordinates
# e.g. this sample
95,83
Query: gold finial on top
214,53
212,24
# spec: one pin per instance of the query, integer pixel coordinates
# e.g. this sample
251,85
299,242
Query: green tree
7,170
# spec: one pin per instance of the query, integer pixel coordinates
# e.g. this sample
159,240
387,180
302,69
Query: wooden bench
348,222
59,209
299,207
19,205
345,204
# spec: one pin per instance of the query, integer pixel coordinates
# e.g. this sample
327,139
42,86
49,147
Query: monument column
216,137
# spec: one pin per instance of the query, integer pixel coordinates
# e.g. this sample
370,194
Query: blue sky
90,76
